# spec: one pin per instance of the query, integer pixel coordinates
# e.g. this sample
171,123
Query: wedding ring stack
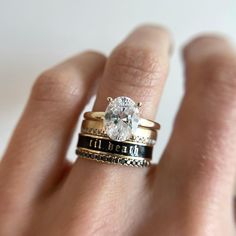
118,135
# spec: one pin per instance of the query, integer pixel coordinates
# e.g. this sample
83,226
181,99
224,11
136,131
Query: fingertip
153,27
96,55
153,30
206,45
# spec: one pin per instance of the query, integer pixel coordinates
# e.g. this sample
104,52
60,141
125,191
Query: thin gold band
143,122
96,127
119,155
107,138
112,158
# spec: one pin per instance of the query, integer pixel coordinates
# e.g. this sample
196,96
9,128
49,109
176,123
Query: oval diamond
121,118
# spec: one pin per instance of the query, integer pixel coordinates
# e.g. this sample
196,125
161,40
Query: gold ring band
107,138
142,122
112,158
102,144
142,135
119,135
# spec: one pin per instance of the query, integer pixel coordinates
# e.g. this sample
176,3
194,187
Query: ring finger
137,68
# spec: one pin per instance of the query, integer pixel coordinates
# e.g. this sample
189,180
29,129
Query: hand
190,192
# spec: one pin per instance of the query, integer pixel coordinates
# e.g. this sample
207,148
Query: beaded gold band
143,135
102,132
112,158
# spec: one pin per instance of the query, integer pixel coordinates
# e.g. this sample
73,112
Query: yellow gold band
143,122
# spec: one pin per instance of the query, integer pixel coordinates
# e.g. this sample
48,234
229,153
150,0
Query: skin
191,190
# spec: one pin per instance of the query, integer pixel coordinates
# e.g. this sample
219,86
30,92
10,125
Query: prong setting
139,104
109,99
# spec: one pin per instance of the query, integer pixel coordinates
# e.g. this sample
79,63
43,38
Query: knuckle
55,86
137,66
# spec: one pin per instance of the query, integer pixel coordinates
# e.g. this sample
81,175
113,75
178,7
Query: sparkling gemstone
121,118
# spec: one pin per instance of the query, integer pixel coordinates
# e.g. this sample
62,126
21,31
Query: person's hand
190,192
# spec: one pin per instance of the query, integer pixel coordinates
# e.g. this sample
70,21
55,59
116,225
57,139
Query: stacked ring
142,135
118,135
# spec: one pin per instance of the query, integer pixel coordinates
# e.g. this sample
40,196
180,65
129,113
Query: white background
37,34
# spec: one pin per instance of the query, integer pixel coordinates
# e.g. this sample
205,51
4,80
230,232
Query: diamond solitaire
121,118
